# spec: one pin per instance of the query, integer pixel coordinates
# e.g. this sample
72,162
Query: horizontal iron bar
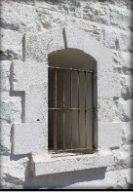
71,69
73,150
69,109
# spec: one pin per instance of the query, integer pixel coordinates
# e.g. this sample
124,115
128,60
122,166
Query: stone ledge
41,165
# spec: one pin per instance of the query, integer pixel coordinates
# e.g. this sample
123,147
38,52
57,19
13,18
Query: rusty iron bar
71,103
67,108
93,112
85,111
78,113
55,124
71,69
64,125
89,150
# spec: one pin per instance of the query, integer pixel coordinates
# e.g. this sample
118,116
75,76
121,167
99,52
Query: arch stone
30,77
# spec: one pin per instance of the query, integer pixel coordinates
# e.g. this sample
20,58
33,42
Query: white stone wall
110,23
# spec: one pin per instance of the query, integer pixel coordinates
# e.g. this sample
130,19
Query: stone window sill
42,165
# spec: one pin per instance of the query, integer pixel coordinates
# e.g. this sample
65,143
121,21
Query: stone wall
108,21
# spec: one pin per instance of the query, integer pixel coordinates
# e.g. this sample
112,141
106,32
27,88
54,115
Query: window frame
88,148
36,48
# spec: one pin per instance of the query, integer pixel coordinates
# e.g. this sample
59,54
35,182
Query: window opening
70,105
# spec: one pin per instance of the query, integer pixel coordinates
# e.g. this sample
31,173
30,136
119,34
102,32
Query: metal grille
70,120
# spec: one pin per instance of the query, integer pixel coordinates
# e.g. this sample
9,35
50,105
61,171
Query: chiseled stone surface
30,78
73,163
110,23
29,137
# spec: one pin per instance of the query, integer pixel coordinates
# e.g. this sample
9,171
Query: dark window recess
70,116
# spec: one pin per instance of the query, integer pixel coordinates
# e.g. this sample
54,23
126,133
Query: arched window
71,101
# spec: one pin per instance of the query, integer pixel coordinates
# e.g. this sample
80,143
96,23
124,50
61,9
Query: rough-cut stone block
65,8
109,135
116,39
47,19
5,75
10,109
11,45
126,87
44,166
125,109
29,138
16,16
128,175
14,170
120,17
96,13
127,134
5,142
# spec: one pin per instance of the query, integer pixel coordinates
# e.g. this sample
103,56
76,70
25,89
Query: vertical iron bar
93,109
71,102
63,90
78,111
85,110
55,118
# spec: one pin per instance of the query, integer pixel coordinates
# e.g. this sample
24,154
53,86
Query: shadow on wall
65,180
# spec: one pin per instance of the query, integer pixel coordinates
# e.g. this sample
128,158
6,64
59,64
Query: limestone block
11,46
125,41
48,21
96,13
128,175
126,57
16,16
29,138
108,90
108,85
122,3
45,166
120,58
71,8
109,134
116,39
120,17
92,28
5,142
13,171
127,133
5,75
11,109
75,38
38,46
126,87
106,110
30,77
125,109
